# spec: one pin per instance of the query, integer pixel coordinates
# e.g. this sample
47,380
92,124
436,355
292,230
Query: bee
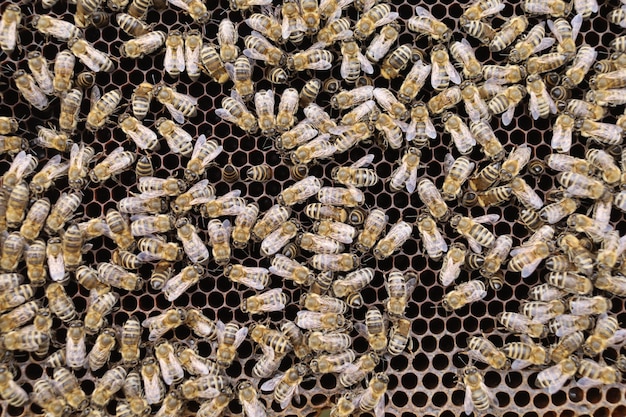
9,23
259,173
481,349
271,220
563,163
227,39
234,110
219,239
459,171
259,48
243,225
447,99
275,240
567,345
310,15
353,61
158,187
338,231
604,333
195,364
345,405
526,354
318,321
554,377
475,106
373,398
320,119
272,300
249,398
541,104
461,135
16,205
542,311
57,28
318,244
63,72
270,338
132,25
607,255
507,34
29,89
395,238
296,338
99,308
120,229
516,161
199,323
612,97
395,62
142,204
214,407
562,133
579,185
554,8
146,44
334,262
72,245
479,30
10,390
313,58
171,369
594,374
555,212
406,174
241,72
373,226
62,211
19,316
591,227
205,387
101,350
229,336
583,61
293,26
286,385
432,238
505,103
68,386
212,64
300,191
333,362
12,250
331,342
92,58
157,325
347,197
547,62
323,304
11,144
140,103
378,15
118,277
382,42
264,104
174,61
335,30
534,42
102,109
115,163
267,25
38,66
143,137
277,75
181,282
566,33
318,211
421,127
178,140
111,382
463,294
604,162
76,351
519,323
179,105
507,74
425,23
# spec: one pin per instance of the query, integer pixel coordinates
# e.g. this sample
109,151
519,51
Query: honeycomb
423,379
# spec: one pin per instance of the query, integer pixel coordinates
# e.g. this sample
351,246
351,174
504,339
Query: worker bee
481,9
519,323
178,140
118,277
92,58
179,105
267,25
605,333
219,239
199,323
347,197
421,127
395,62
477,395
9,23
604,162
143,137
461,135
204,153
270,221
583,61
63,72
287,109
507,34
229,336
506,102
568,344
171,369
541,104
234,110
181,282
579,185
12,250
275,240
373,226
264,104
463,294
481,349
272,300
334,262
212,64
213,407
542,311
554,8
243,225
38,66
76,351
101,350
293,26
594,374
479,30
158,325
16,205
68,386
132,25
115,163
447,99
30,90
432,238
353,61
533,43
145,44
554,377
406,174
111,382
313,58
395,238
10,390
562,133
227,39
593,228
174,60
206,387
11,144
318,244
300,191
378,15
526,354
57,28
286,385
102,109
249,398
241,72
459,171
318,321
35,257
566,33
382,42
195,364
259,48
426,24
516,161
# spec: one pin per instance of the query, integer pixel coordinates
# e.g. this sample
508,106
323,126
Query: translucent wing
176,115
272,383
366,65
411,182
468,404
364,161
487,218
507,116
576,23
453,73
422,12
543,45
530,268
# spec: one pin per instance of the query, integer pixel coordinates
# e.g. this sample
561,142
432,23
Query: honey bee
16,205
267,25
204,153
334,262
102,109
62,211
425,23
593,228
140,102
396,61
431,236
405,175
212,64
179,105
259,48
195,364
98,309
286,385
322,303
171,369
63,72
347,197
271,220
447,99
249,398
146,44
101,350
68,386
178,140
106,387
118,277
459,171
421,127
19,316
318,244
507,34
542,311
115,163
562,133
30,90
143,136
57,28
38,66
516,161
554,8
605,163
219,239
241,72
75,349
554,377
264,103
461,135
9,23
519,323
483,350
605,333
234,110
607,255
463,294
272,300
299,192
181,282
395,238
229,336
583,61
10,390
373,226
567,345
578,185
526,354
275,240
479,30
477,395
92,58
555,212
506,102
313,58
382,42
378,15
481,9
12,250
318,321
157,325
132,25
11,144
594,374
331,342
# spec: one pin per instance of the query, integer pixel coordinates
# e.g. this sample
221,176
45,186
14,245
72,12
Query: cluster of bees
322,240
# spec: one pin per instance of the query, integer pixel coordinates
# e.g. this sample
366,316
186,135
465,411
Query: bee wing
366,65
543,45
554,31
253,283
430,128
530,268
507,116
453,73
362,162
468,404
198,146
618,337
94,96
320,65
379,409
288,396
411,182
219,324
230,69
436,76
147,257
558,383
272,383
561,138
176,115
586,383
576,23
474,245
211,156
254,54
487,218
56,268
422,12
411,131
240,335
448,160
226,115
